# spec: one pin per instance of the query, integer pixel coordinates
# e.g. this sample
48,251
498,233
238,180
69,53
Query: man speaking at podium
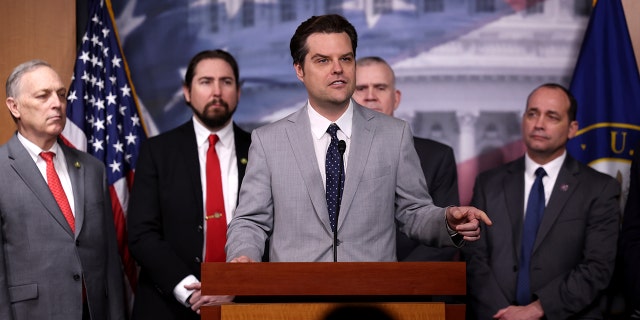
326,182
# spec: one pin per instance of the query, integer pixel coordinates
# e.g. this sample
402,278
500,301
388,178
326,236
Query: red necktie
56,189
215,215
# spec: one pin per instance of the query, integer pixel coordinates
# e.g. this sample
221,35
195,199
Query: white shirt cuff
181,293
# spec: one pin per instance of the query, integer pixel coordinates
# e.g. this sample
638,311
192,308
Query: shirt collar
319,124
225,135
552,167
34,150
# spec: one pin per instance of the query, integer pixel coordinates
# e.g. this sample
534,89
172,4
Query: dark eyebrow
213,78
317,55
532,109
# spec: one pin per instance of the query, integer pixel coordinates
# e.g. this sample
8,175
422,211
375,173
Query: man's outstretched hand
466,221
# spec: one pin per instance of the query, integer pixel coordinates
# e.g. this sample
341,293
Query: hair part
12,86
330,23
573,103
211,54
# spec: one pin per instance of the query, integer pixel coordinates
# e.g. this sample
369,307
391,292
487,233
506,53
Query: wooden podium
308,290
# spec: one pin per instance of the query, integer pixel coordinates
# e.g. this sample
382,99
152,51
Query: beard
216,119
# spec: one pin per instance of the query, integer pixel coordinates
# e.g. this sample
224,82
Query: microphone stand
342,146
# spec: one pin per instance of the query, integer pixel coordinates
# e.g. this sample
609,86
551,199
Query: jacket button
198,260
515,268
77,243
76,277
199,228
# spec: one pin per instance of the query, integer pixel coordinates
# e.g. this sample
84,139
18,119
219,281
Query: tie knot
540,173
332,130
213,139
47,155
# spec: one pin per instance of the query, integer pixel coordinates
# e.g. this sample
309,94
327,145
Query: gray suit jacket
439,167
282,194
574,253
42,263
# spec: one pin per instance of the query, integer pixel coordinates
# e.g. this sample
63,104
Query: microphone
342,146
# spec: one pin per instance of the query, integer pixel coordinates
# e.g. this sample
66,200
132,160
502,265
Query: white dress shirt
59,162
552,168
226,150
321,138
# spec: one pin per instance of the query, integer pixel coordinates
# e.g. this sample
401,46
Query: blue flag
606,85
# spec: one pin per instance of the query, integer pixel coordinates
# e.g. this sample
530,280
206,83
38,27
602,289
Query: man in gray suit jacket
53,265
572,255
283,193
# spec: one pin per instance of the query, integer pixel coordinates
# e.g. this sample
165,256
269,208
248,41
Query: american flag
103,118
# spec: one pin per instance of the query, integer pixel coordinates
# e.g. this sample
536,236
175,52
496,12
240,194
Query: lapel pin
564,187
243,161
77,165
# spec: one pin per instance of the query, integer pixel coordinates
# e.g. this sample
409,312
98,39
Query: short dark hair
211,54
573,104
330,23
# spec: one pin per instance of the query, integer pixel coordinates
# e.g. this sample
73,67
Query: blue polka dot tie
333,168
533,217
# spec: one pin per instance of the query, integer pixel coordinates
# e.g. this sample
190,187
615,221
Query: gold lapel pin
243,160
77,165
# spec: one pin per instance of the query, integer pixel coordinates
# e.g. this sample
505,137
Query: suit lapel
28,171
565,185
76,174
514,194
359,148
242,142
188,148
301,141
